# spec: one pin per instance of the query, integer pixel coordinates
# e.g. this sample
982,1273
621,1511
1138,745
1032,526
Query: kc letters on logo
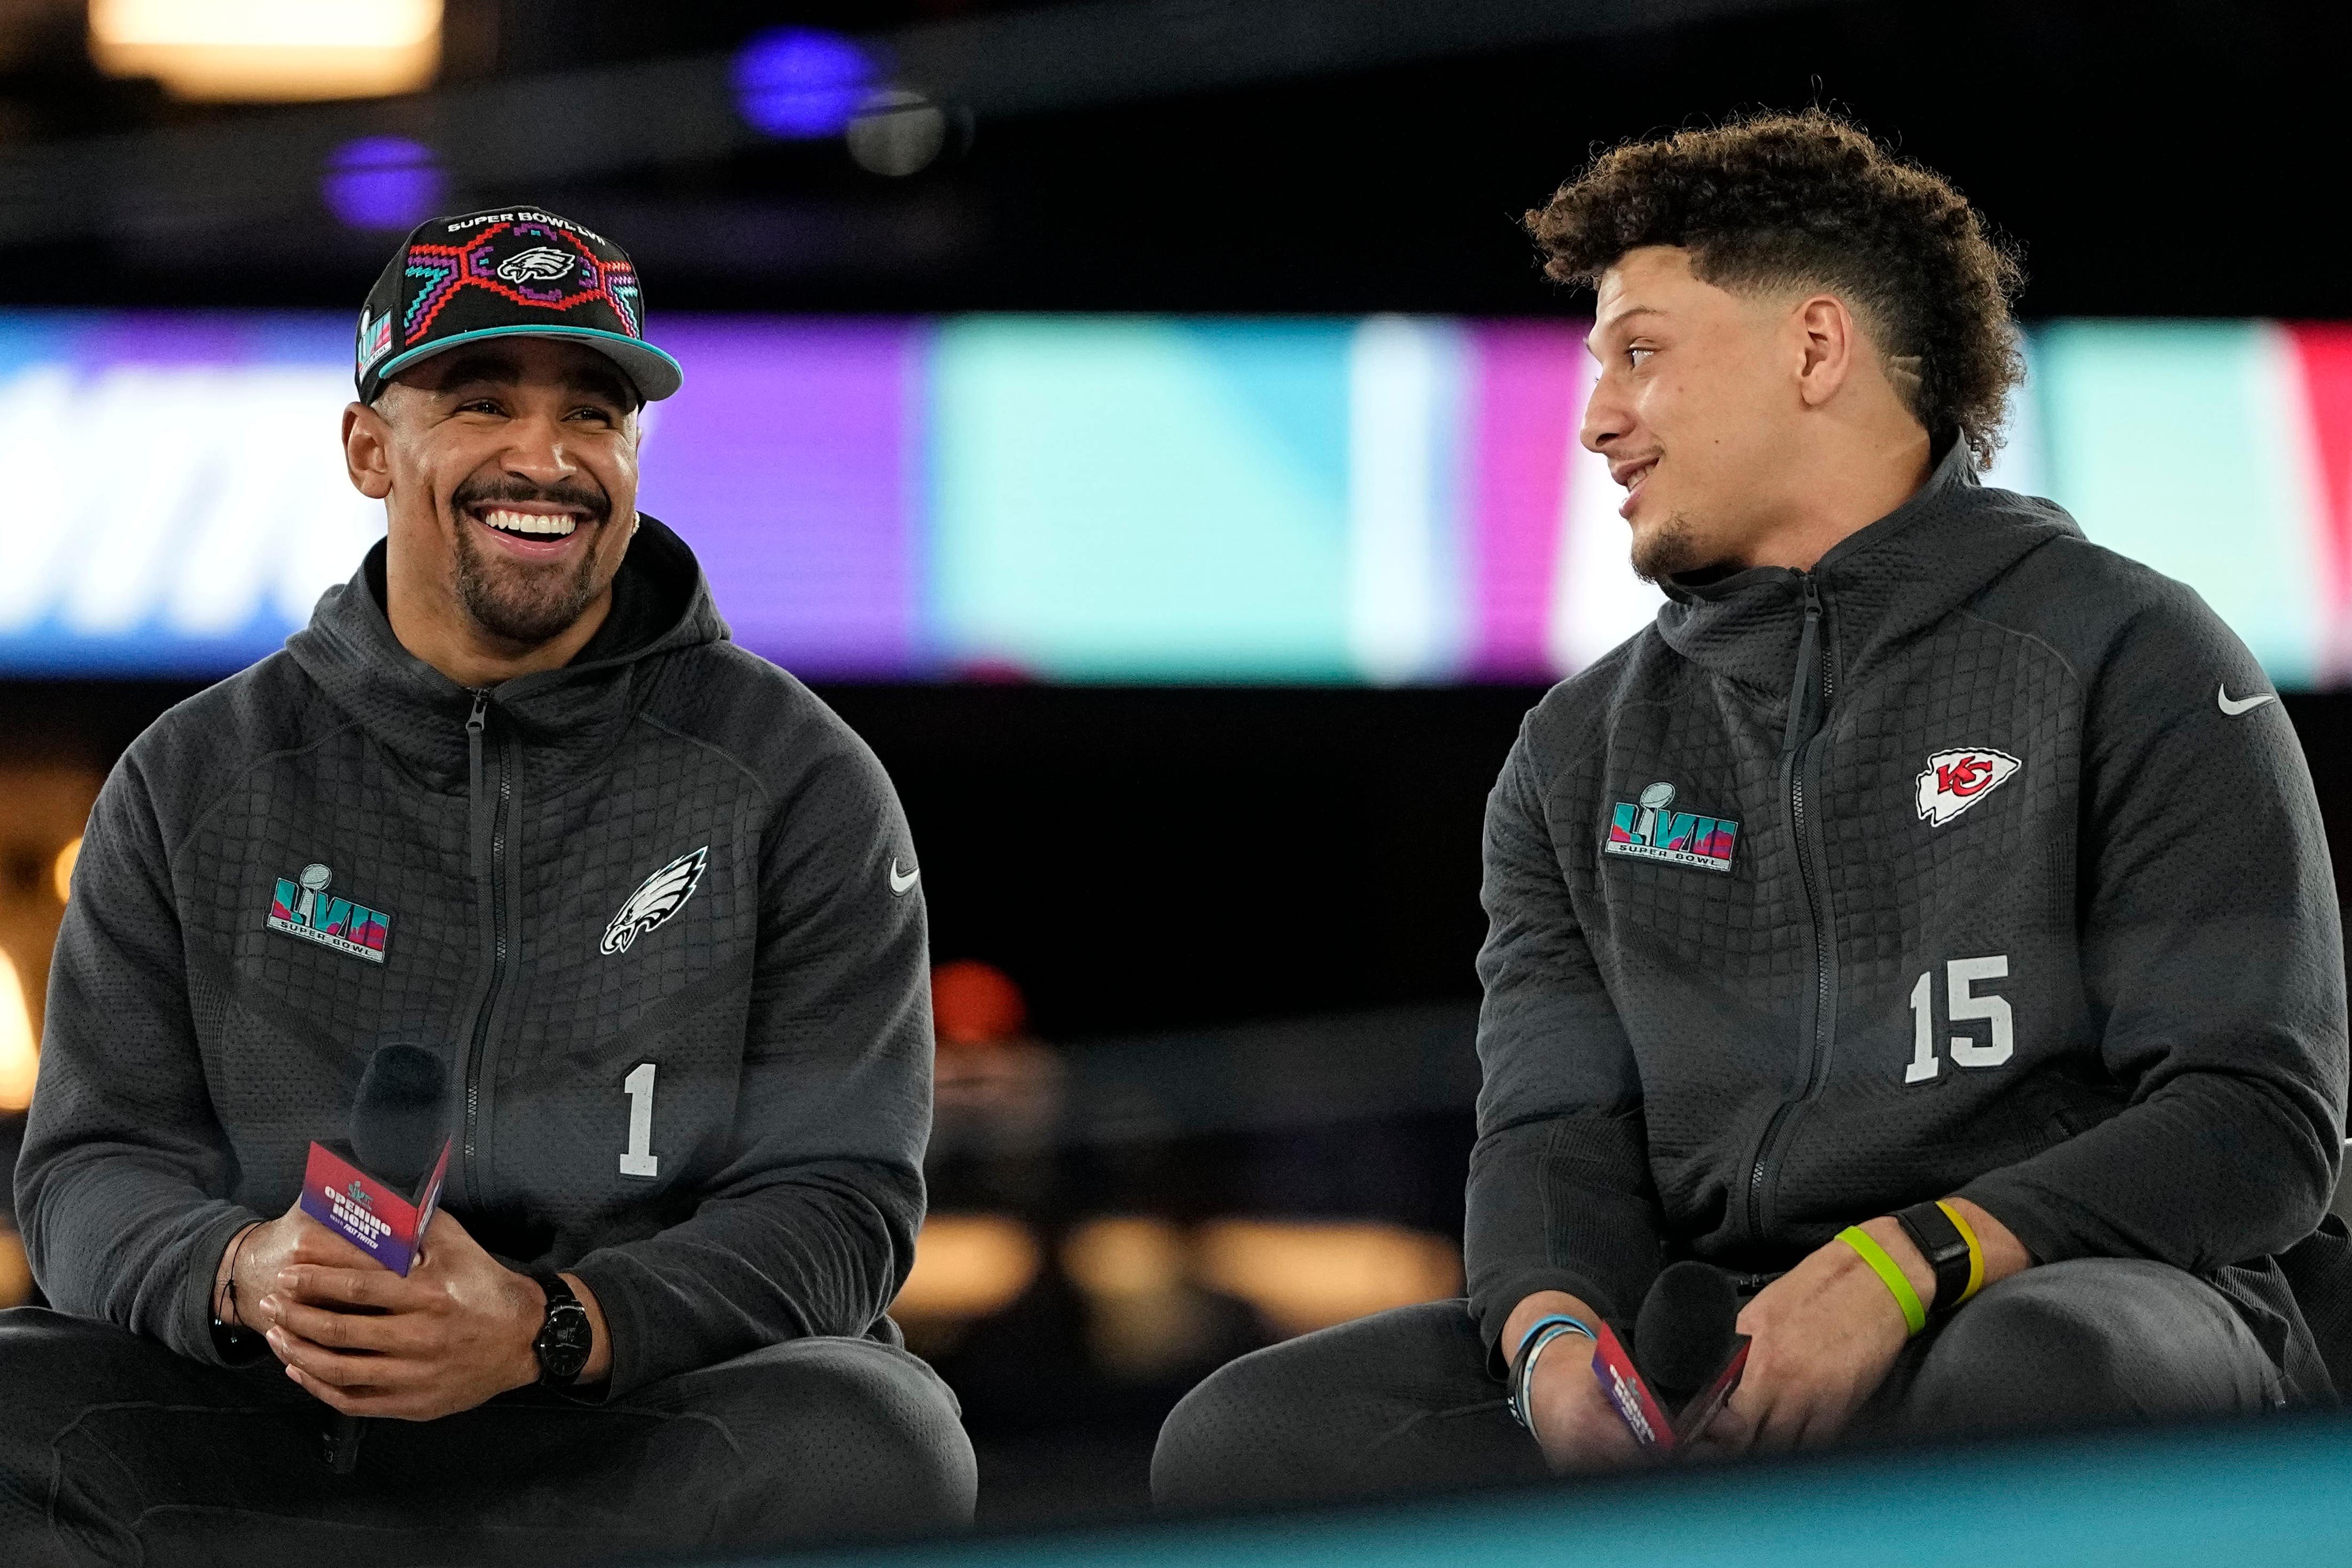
1955,781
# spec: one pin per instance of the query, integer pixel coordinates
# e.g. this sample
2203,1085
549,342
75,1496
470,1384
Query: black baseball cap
507,272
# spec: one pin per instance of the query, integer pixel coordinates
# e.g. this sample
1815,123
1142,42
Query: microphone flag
1630,1395
368,1213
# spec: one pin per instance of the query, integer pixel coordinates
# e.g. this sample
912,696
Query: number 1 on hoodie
639,1159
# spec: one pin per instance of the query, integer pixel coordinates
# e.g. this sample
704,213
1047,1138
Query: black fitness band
1947,1251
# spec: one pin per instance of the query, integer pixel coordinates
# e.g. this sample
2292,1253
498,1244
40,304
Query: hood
1879,587
569,716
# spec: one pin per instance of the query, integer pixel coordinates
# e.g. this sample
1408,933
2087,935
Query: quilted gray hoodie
655,910
1978,859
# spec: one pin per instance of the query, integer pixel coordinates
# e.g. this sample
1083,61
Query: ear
367,451
1828,342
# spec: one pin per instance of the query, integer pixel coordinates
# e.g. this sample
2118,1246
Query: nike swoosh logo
900,884
2235,706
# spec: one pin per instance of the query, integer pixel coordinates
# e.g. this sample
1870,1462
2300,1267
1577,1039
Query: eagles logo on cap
507,272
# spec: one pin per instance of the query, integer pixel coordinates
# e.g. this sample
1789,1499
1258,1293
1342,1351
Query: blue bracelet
1541,1333
1577,1325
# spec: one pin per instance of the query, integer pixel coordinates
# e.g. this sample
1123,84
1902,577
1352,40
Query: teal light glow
2181,444
1141,499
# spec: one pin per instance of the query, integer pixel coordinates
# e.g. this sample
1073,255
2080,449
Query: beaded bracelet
229,1320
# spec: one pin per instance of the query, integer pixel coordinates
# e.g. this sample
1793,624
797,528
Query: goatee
517,604
1667,550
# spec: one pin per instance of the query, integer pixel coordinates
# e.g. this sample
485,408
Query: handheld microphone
400,1128
1691,1350
400,1118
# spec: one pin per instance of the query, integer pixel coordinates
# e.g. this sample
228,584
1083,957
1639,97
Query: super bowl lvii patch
1650,829
303,908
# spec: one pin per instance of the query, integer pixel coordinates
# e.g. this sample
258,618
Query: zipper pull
1821,643
1805,683
475,722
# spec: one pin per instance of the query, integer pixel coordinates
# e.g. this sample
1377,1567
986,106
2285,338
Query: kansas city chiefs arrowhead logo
1955,781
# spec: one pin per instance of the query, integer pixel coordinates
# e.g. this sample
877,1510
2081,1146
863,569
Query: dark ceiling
2160,159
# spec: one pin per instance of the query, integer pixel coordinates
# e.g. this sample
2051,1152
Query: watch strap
1976,1248
1946,1249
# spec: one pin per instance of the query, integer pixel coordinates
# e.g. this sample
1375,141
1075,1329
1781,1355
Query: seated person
514,798
1920,850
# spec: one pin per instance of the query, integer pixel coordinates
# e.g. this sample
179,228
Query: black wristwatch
1947,1251
565,1338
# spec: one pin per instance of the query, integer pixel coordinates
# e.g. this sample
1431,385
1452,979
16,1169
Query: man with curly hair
1926,924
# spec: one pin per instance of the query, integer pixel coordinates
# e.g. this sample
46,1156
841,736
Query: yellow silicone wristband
1890,1274
1976,1251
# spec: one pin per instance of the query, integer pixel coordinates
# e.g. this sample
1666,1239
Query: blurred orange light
20,1056
1119,1256
61,873
16,1273
276,50
1306,1275
968,1265
1145,1317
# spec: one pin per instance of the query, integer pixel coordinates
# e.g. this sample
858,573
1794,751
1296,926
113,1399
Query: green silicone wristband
1890,1274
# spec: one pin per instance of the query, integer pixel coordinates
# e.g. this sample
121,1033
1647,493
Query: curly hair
1808,200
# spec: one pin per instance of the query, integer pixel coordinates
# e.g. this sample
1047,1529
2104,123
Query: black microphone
401,1116
399,1122
1687,1343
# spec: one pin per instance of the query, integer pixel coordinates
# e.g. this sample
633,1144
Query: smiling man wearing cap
514,798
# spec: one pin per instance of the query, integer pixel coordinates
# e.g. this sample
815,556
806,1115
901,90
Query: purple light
791,463
799,84
382,182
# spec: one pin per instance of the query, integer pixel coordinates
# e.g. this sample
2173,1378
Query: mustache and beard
515,602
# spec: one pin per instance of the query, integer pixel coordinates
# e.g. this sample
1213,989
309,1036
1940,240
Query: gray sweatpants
116,1450
1403,1401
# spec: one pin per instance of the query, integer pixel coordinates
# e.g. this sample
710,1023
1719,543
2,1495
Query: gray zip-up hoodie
1978,859
655,910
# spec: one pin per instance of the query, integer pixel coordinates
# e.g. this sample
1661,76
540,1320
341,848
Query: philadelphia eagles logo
657,898
539,261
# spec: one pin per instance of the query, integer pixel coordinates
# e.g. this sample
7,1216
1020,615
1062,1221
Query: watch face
562,1344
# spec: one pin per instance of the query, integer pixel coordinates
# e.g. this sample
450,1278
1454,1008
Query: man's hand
1824,1337
1575,1425
457,1331
261,1252
1826,1333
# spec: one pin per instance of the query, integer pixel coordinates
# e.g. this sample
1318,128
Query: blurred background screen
1385,500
